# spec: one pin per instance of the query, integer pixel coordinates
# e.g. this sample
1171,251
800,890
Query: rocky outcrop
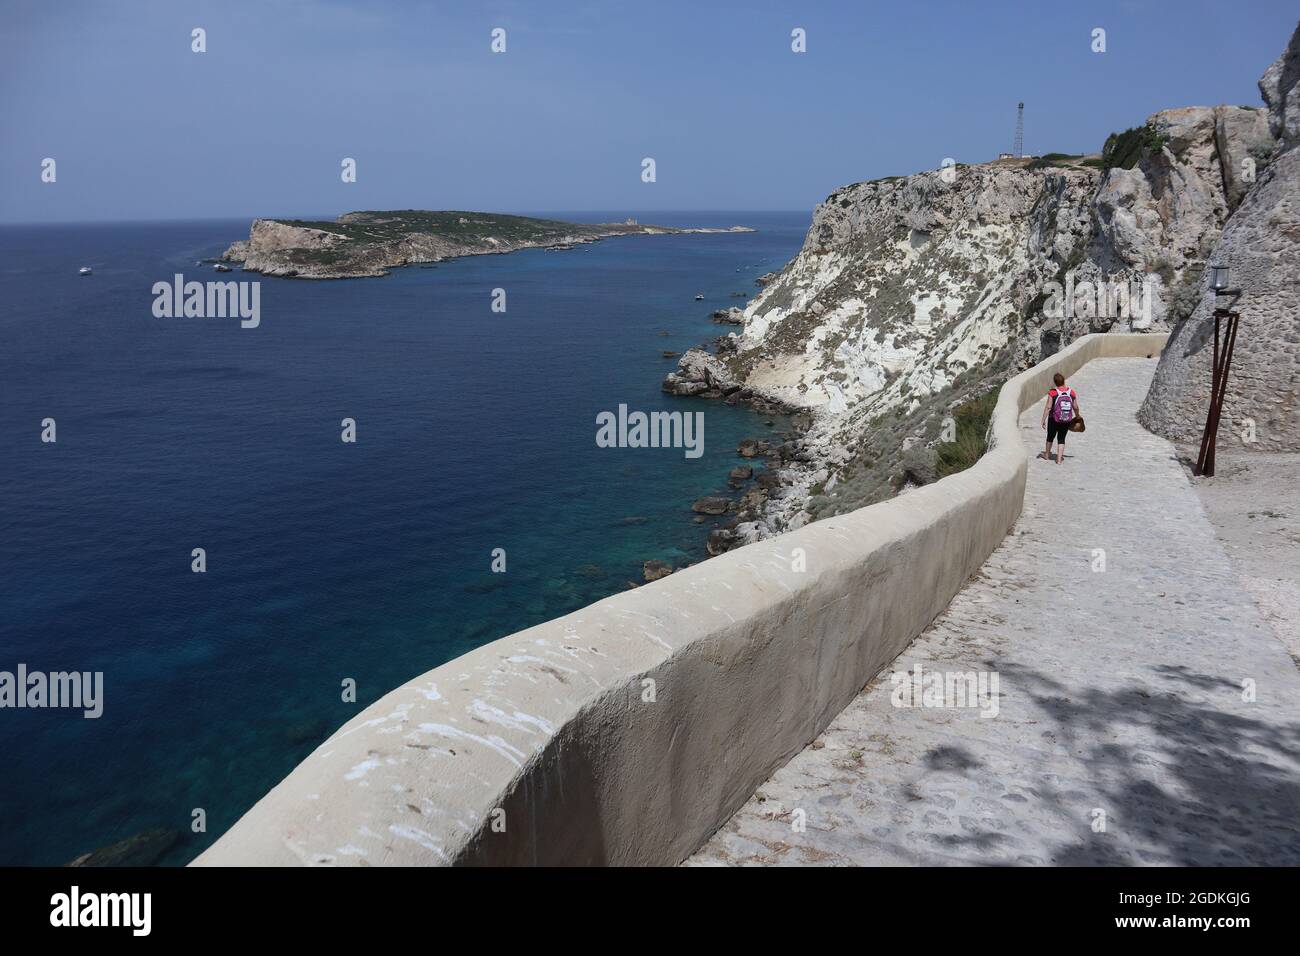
368,244
1245,142
700,372
655,569
1280,87
912,296
141,849
1261,246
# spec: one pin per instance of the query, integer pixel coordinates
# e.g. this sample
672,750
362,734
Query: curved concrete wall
552,746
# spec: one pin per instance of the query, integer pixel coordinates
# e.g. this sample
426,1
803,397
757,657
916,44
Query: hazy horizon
530,213
144,129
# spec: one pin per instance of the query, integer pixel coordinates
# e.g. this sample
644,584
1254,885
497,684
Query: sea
326,563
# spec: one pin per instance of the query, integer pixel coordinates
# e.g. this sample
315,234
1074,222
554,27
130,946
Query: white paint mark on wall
496,744
361,769
416,835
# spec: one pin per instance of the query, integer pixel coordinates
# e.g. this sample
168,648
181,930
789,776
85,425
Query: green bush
1262,154
972,419
1124,149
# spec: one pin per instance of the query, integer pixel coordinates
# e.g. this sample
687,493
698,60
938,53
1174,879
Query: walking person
1061,410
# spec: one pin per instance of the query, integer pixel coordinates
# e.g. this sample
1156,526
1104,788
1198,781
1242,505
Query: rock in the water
655,569
749,448
720,540
674,386
311,730
710,506
742,472
143,849
699,371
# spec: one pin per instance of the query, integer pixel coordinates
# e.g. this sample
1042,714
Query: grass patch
880,467
455,225
1055,159
972,419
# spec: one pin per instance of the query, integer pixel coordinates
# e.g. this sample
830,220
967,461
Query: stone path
1121,692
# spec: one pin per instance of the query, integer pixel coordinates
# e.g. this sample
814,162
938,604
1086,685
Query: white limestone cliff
914,294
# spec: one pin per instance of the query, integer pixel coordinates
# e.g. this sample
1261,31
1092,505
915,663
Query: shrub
972,419
918,467
1184,297
1162,267
1124,149
1262,154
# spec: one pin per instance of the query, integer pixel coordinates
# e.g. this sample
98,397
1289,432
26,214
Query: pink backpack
1062,404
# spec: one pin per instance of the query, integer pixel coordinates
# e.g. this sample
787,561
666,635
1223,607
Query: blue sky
143,128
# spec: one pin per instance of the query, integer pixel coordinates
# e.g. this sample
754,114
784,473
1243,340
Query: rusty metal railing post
1219,373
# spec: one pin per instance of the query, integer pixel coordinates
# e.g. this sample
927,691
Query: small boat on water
221,268
700,297
85,271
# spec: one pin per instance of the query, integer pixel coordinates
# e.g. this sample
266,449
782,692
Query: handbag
1077,425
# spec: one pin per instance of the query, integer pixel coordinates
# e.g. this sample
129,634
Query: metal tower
1019,149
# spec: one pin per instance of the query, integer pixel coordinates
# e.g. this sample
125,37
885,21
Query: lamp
1223,349
1219,278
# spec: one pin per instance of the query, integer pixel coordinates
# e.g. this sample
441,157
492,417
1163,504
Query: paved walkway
1120,692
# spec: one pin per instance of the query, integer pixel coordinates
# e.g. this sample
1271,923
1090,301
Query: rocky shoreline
701,373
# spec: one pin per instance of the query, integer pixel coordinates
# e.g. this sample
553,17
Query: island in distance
363,244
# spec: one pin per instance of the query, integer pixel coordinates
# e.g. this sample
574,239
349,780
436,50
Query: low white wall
548,732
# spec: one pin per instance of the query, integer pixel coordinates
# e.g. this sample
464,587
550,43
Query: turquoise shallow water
476,431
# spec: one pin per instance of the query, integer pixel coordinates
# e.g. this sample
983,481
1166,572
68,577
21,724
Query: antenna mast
1019,149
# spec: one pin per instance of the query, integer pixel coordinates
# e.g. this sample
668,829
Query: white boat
700,297
85,271
220,268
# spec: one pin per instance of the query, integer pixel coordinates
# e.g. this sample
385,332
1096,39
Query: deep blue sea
325,560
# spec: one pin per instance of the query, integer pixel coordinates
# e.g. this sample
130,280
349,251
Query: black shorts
1056,431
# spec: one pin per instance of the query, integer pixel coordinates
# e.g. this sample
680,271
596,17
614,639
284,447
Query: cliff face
912,295
1261,247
